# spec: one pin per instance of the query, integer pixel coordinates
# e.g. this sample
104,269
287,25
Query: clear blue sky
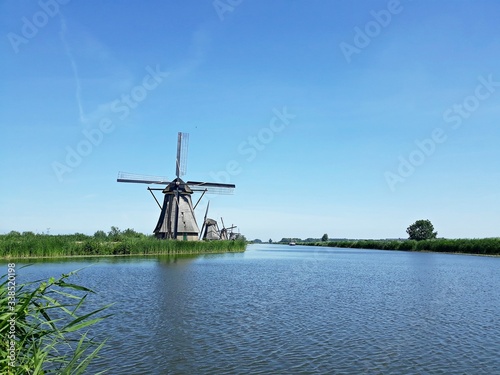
351,118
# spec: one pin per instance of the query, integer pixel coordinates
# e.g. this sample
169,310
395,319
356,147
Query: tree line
421,237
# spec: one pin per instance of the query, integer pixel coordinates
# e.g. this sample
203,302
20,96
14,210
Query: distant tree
257,241
114,233
100,234
131,233
14,233
421,230
270,240
80,236
324,238
239,237
28,234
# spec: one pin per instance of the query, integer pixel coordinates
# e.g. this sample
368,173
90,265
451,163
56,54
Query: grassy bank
42,245
484,246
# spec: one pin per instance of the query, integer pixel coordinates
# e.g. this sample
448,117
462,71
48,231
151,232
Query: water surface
295,310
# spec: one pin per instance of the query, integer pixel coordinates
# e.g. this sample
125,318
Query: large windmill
177,220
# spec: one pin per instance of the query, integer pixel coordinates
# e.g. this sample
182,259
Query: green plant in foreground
46,328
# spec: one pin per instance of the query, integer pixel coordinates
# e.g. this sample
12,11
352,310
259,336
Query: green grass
483,246
42,328
31,245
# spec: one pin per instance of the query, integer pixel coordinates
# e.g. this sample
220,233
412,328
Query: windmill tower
177,219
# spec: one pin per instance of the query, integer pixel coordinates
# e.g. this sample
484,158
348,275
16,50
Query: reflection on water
281,310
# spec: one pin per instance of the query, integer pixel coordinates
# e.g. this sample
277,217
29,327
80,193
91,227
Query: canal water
294,310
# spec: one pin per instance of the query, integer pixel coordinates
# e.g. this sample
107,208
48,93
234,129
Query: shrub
90,247
122,248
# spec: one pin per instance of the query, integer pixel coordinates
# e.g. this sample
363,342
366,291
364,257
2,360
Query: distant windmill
210,229
223,233
177,220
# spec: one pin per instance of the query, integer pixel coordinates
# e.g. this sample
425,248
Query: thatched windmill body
177,219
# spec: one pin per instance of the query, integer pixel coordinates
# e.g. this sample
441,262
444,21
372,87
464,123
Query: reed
44,331
483,246
30,245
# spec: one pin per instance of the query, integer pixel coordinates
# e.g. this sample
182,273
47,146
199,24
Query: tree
114,233
239,237
270,240
421,230
129,232
324,238
100,234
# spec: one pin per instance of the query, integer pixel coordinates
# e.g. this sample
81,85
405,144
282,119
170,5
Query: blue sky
348,118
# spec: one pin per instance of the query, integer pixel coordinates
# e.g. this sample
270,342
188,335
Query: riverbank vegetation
421,237
43,328
115,242
483,246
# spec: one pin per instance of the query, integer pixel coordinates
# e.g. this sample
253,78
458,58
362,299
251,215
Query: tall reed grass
45,332
483,246
42,245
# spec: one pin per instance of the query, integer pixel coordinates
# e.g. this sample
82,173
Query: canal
293,310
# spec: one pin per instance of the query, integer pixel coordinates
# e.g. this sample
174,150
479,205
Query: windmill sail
141,178
182,151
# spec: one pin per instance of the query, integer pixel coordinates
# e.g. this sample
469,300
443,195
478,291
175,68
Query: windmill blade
204,221
182,151
142,179
211,187
211,184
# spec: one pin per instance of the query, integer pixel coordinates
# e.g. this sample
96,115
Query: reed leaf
50,335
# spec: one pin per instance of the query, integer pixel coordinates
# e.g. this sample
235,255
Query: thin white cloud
78,93
200,45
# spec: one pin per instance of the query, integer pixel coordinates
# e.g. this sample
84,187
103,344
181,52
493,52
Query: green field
482,246
30,245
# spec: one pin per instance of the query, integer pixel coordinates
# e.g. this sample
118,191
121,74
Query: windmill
210,229
177,219
223,233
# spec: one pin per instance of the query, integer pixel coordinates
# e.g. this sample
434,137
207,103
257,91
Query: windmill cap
179,185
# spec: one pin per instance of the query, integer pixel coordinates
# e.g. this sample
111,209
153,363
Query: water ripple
300,312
